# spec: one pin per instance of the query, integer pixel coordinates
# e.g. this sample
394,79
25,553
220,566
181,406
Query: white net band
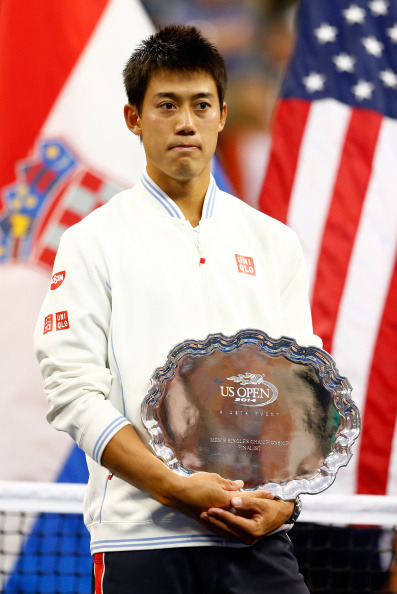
369,510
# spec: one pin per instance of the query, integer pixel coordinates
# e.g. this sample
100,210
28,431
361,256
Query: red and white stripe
332,177
99,572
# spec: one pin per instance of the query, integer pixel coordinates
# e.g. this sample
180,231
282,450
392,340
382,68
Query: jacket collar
170,206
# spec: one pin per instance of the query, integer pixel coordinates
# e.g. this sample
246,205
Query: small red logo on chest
57,279
245,264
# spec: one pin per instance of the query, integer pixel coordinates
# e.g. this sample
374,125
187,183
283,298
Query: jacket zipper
204,283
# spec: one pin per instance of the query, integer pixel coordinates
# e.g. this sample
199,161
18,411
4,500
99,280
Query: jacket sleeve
294,291
71,345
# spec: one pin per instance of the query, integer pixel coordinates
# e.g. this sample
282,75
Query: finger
218,527
261,494
240,527
249,503
221,528
230,485
267,509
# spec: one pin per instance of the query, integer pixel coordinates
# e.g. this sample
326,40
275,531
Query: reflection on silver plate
269,412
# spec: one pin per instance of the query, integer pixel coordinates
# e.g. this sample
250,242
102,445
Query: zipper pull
201,255
200,251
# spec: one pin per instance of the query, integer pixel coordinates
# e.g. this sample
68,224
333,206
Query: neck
188,194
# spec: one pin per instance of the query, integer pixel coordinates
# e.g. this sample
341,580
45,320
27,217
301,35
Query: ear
132,119
223,118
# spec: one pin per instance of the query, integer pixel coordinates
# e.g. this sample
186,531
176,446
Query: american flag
332,176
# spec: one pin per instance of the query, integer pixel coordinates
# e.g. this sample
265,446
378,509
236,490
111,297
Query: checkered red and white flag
332,176
64,150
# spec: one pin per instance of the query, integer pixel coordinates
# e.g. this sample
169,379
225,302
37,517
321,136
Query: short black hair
176,48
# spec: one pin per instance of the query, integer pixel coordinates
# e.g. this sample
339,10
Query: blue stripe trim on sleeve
106,437
105,433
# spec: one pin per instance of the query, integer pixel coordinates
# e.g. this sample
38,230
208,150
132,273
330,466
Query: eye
168,105
203,105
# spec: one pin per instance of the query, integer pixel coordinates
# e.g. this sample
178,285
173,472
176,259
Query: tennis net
344,544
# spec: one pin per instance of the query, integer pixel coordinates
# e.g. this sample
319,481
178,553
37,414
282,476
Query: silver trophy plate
269,412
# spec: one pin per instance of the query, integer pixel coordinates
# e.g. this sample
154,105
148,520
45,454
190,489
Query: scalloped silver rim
338,386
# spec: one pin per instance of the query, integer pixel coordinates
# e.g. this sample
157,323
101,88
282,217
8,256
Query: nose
185,122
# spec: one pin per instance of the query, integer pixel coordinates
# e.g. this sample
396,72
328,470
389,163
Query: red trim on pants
99,570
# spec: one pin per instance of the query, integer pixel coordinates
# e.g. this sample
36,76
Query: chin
185,172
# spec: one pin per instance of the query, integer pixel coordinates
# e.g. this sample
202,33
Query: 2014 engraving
254,396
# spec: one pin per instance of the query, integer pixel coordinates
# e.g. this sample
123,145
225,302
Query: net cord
324,508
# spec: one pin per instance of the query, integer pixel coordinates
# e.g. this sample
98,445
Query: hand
256,513
201,491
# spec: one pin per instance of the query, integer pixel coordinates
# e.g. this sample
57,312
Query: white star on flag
378,7
373,46
363,90
392,33
344,62
354,14
326,33
389,78
314,82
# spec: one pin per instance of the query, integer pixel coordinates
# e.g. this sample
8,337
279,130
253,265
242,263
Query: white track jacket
131,281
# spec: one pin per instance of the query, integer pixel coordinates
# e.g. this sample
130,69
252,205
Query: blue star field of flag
348,51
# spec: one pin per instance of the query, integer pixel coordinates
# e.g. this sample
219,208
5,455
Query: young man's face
179,123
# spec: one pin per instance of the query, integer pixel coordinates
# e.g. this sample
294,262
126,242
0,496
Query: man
157,265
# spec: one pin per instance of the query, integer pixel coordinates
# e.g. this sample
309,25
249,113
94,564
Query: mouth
185,148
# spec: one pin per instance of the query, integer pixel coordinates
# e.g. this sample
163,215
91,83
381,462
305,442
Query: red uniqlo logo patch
62,321
245,264
48,320
57,279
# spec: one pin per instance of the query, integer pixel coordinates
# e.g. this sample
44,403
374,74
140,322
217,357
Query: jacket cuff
100,431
